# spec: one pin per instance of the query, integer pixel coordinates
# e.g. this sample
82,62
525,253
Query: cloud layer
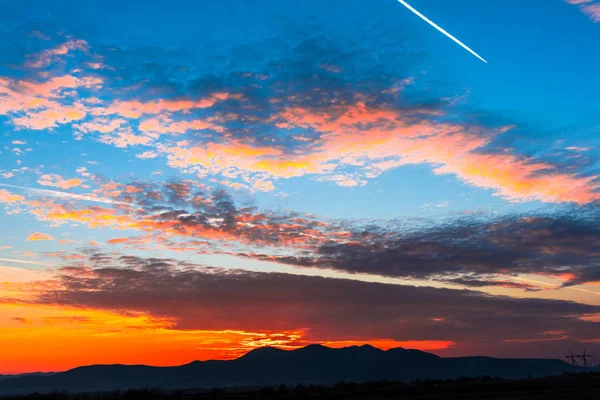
195,297
301,115
472,251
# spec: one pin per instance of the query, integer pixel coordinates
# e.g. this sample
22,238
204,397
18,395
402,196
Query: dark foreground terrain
584,386
316,365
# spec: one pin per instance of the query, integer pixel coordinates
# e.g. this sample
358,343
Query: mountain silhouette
271,366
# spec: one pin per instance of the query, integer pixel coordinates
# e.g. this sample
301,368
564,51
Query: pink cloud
45,57
135,108
8,197
359,143
591,8
43,103
592,11
58,181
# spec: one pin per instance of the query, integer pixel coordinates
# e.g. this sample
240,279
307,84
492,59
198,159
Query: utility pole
574,364
587,362
588,366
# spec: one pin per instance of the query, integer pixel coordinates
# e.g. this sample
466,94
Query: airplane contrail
25,262
439,28
65,195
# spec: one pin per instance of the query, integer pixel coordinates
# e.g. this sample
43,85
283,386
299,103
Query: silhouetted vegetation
582,386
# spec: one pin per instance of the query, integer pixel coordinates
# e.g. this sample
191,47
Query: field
563,387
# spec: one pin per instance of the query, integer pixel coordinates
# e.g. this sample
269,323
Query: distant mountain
22,375
272,366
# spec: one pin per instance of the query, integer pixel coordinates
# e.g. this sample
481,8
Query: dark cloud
555,245
330,309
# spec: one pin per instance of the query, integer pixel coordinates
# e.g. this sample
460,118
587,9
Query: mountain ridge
273,366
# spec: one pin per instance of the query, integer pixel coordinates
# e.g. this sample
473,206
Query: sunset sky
189,180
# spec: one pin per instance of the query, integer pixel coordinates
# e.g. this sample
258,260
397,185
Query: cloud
592,11
147,154
45,57
383,139
371,141
184,209
469,252
8,197
44,104
591,8
329,309
312,120
136,109
165,125
472,251
39,236
58,181
103,125
126,138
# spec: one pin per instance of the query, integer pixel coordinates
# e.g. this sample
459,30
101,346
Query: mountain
27,374
272,366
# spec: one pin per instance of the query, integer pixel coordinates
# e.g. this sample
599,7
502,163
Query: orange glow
39,236
51,338
47,338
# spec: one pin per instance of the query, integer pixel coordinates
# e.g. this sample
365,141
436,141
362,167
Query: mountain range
271,366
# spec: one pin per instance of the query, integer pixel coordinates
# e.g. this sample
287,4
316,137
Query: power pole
588,366
574,364
587,362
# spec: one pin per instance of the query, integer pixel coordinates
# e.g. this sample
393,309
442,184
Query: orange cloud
58,181
358,143
51,117
39,100
39,236
245,227
376,141
8,197
93,217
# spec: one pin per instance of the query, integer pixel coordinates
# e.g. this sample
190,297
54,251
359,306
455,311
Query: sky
194,179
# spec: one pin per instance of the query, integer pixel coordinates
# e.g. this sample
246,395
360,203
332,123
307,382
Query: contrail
439,28
65,195
26,262
553,286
